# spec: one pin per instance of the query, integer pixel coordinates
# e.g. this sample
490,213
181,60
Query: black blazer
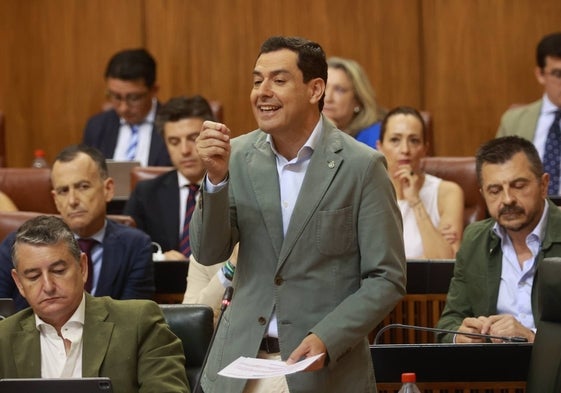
154,205
102,131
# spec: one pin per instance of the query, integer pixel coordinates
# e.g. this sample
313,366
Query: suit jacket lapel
112,251
169,196
324,165
96,337
109,142
26,349
261,163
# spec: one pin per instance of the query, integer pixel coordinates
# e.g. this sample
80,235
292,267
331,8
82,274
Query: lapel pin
331,164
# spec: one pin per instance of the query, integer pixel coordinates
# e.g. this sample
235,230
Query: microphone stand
513,339
225,303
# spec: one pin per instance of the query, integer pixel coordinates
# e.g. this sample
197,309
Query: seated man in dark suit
161,207
69,334
126,132
121,256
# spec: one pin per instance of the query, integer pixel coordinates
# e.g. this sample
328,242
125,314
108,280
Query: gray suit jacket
521,121
127,341
338,272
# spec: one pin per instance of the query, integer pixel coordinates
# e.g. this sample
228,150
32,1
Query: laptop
120,171
56,385
7,308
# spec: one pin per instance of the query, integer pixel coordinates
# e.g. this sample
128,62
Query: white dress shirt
144,138
55,362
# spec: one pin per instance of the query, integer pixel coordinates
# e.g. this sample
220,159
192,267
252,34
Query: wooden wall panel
51,73
464,61
210,47
480,64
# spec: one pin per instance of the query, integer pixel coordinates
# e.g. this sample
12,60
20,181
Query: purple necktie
184,245
86,246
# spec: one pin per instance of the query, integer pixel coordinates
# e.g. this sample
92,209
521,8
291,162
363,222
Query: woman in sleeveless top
432,208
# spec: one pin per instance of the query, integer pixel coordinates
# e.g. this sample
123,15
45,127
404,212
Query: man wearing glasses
539,121
126,132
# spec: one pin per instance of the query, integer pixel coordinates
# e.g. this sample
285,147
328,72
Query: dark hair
71,152
550,45
132,64
45,231
403,110
311,57
179,108
501,150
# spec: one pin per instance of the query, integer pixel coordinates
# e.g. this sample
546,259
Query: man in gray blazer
321,258
534,121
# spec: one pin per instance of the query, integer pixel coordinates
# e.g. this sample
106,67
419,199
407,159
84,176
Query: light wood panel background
464,61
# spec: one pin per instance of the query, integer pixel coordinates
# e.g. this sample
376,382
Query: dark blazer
128,342
127,270
154,205
102,131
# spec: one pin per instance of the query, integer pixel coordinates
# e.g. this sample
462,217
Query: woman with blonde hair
350,101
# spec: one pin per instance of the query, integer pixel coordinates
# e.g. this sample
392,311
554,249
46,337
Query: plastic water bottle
408,380
39,160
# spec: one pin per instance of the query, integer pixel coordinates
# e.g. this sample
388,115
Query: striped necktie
133,143
184,244
552,155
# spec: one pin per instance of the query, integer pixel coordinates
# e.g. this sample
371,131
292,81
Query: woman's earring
357,109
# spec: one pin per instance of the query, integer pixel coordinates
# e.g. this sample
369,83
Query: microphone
226,299
511,339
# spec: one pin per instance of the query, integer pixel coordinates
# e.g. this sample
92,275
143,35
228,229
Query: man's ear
317,89
15,277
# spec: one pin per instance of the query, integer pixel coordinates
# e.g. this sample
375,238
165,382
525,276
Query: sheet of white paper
251,368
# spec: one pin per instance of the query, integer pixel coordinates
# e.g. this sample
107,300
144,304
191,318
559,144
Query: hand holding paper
251,368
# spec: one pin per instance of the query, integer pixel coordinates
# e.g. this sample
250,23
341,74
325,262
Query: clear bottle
408,380
39,160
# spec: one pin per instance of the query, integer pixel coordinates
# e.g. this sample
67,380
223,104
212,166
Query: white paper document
251,368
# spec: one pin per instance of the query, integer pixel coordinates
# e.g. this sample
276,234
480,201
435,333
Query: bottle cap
408,377
39,153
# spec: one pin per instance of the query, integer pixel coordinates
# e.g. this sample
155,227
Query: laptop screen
120,171
56,385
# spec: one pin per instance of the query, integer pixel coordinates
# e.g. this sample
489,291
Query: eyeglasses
556,73
131,99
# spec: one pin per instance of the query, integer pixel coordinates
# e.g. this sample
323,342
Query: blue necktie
552,155
133,144
184,244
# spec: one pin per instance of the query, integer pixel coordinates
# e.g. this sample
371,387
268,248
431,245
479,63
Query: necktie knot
86,245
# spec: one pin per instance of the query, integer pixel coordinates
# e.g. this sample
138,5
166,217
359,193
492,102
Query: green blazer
338,272
125,340
521,121
474,289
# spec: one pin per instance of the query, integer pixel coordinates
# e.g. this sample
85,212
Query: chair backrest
11,221
140,173
2,140
28,188
460,170
194,325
